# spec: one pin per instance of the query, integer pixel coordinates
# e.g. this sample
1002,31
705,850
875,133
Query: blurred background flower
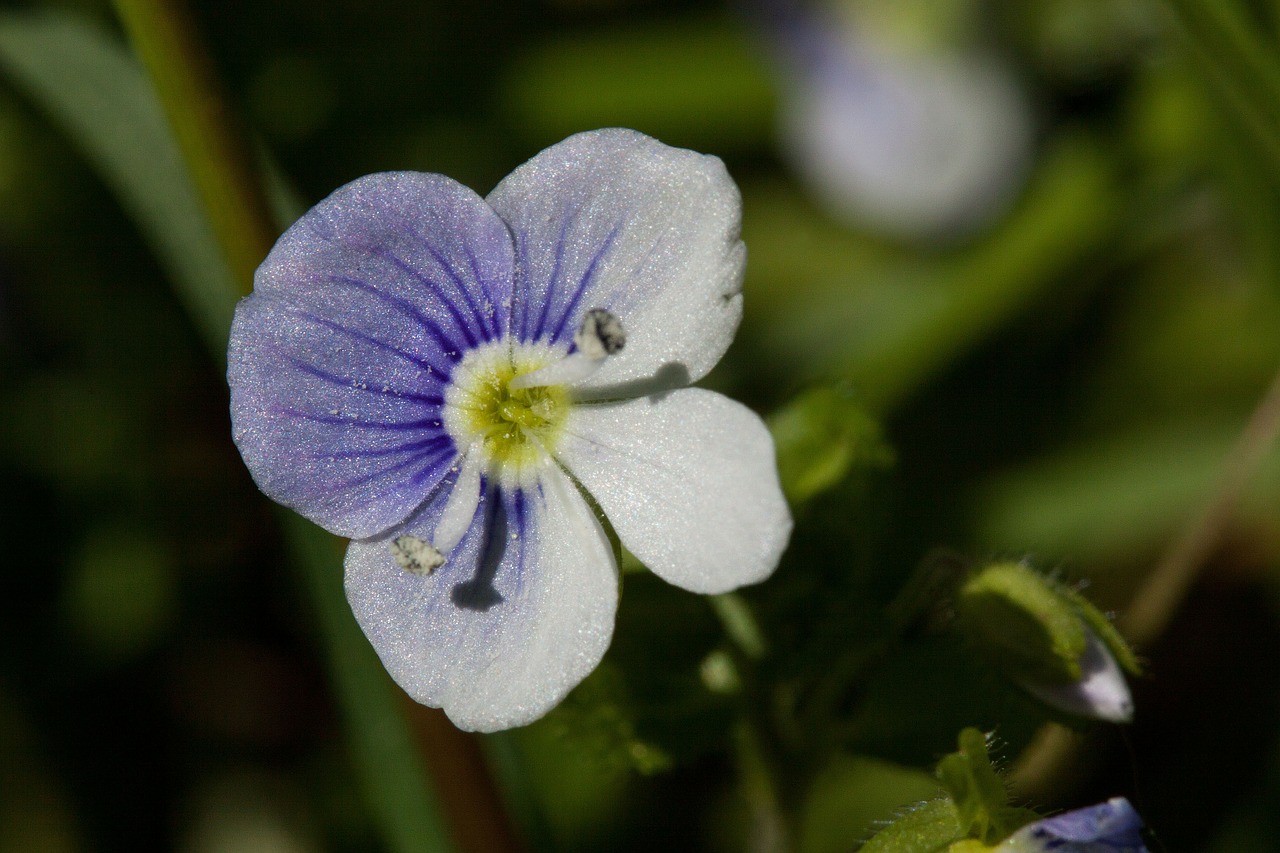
897,116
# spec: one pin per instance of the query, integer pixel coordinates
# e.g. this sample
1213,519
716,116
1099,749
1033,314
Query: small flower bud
1049,639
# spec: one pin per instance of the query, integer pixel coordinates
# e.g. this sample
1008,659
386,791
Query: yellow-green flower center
514,429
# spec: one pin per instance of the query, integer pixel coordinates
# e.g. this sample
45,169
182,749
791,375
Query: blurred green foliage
1065,383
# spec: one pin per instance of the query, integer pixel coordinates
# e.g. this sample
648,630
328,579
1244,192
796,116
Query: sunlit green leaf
821,437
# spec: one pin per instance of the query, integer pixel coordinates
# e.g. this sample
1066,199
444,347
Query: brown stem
1159,597
470,799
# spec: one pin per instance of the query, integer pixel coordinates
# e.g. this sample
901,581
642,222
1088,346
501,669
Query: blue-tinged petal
614,219
337,362
521,611
1110,827
689,482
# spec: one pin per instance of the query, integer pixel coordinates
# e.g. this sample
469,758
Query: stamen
600,335
460,509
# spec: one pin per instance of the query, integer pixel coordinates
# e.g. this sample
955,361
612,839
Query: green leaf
695,83
821,437
1117,497
981,801
925,829
1241,68
99,96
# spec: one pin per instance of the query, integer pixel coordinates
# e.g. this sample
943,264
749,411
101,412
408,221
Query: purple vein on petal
487,328
357,385
569,220
519,527
562,330
407,268
427,462
377,343
356,423
491,300
430,444
450,349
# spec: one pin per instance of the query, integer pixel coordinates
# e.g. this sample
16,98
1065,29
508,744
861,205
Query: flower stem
767,829
162,36
761,781
739,624
1157,600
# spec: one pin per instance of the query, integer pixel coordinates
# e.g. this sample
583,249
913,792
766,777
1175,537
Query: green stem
218,161
1068,215
386,761
767,829
759,767
739,624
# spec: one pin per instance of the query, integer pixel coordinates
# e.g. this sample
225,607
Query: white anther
600,335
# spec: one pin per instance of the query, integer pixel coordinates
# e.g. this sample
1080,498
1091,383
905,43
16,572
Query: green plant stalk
1245,70
382,745
163,38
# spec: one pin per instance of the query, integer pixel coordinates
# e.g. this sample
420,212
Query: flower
439,376
1048,638
1100,693
1110,827
909,139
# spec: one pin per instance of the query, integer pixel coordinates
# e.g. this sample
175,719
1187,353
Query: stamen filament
460,509
599,336
572,368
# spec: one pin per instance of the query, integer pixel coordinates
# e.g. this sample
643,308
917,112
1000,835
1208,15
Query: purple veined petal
614,219
689,482
338,360
1110,827
521,611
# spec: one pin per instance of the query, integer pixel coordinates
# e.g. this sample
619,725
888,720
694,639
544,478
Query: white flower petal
498,641
1101,693
689,482
614,219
